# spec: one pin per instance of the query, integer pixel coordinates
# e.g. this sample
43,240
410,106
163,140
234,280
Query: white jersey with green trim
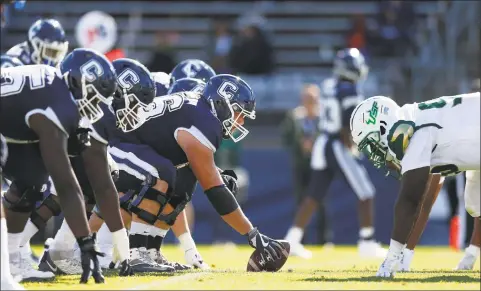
443,133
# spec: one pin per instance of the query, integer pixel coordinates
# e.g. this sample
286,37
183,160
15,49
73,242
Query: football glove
230,180
88,254
265,244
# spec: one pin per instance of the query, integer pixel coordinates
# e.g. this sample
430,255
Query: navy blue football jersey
21,52
185,110
28,90
339,98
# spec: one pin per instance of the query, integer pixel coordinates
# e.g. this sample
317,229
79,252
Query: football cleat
160,259
20,266
141,262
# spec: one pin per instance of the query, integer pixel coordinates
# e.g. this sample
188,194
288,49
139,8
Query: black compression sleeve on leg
222,199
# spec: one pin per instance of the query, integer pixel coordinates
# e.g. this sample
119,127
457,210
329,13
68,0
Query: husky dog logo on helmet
96,30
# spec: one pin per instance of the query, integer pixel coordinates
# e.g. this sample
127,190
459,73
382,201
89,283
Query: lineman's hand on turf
390,265
89,252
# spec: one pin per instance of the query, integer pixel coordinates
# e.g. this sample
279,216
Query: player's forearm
238,221
409,203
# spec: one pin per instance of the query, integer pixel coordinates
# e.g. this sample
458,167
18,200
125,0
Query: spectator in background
300,129
222,46
394,28
252,52
163,59
357,35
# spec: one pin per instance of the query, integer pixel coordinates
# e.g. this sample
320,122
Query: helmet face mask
48,53
130,117
232,127
89,105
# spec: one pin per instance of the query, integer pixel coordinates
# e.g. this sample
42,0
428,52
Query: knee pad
27,200
52,205
126,199
152,194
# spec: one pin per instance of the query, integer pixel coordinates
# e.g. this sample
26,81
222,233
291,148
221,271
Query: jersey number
446,170
439,103
13,82
171,102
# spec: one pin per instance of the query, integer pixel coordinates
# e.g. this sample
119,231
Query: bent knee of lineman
22,198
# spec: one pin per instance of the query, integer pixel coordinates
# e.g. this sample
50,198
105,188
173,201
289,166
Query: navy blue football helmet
47,42
187,84
192,68
7,61
91,79
349,64
135,92
231,99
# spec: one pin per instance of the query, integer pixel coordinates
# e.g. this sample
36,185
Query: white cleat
10,285
298,250
467,262
19,266
371,249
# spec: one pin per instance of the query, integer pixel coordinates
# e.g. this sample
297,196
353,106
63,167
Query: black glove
89,252
265,244
125,269
230,180
79,141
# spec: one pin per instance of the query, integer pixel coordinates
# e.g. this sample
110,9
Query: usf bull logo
399,137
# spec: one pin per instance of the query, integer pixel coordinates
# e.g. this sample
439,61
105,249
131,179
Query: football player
41,107
46,44
163,167
180,227
438,136
136,89
333,154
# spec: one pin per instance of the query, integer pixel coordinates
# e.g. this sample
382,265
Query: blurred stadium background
415,50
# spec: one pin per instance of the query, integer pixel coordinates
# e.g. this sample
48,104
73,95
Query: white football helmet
370,124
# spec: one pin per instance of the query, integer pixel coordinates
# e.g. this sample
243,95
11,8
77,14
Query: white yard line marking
154,285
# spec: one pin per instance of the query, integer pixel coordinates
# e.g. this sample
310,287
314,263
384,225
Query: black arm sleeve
222,199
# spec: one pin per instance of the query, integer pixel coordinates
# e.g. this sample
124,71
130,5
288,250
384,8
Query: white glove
407,257
193,258
392,262
191,254
471,254
121,247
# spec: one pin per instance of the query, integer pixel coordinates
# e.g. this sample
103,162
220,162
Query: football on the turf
259,262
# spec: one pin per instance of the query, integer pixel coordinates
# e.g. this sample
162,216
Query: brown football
258,261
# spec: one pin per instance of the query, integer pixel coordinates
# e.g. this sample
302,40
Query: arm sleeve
418,153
